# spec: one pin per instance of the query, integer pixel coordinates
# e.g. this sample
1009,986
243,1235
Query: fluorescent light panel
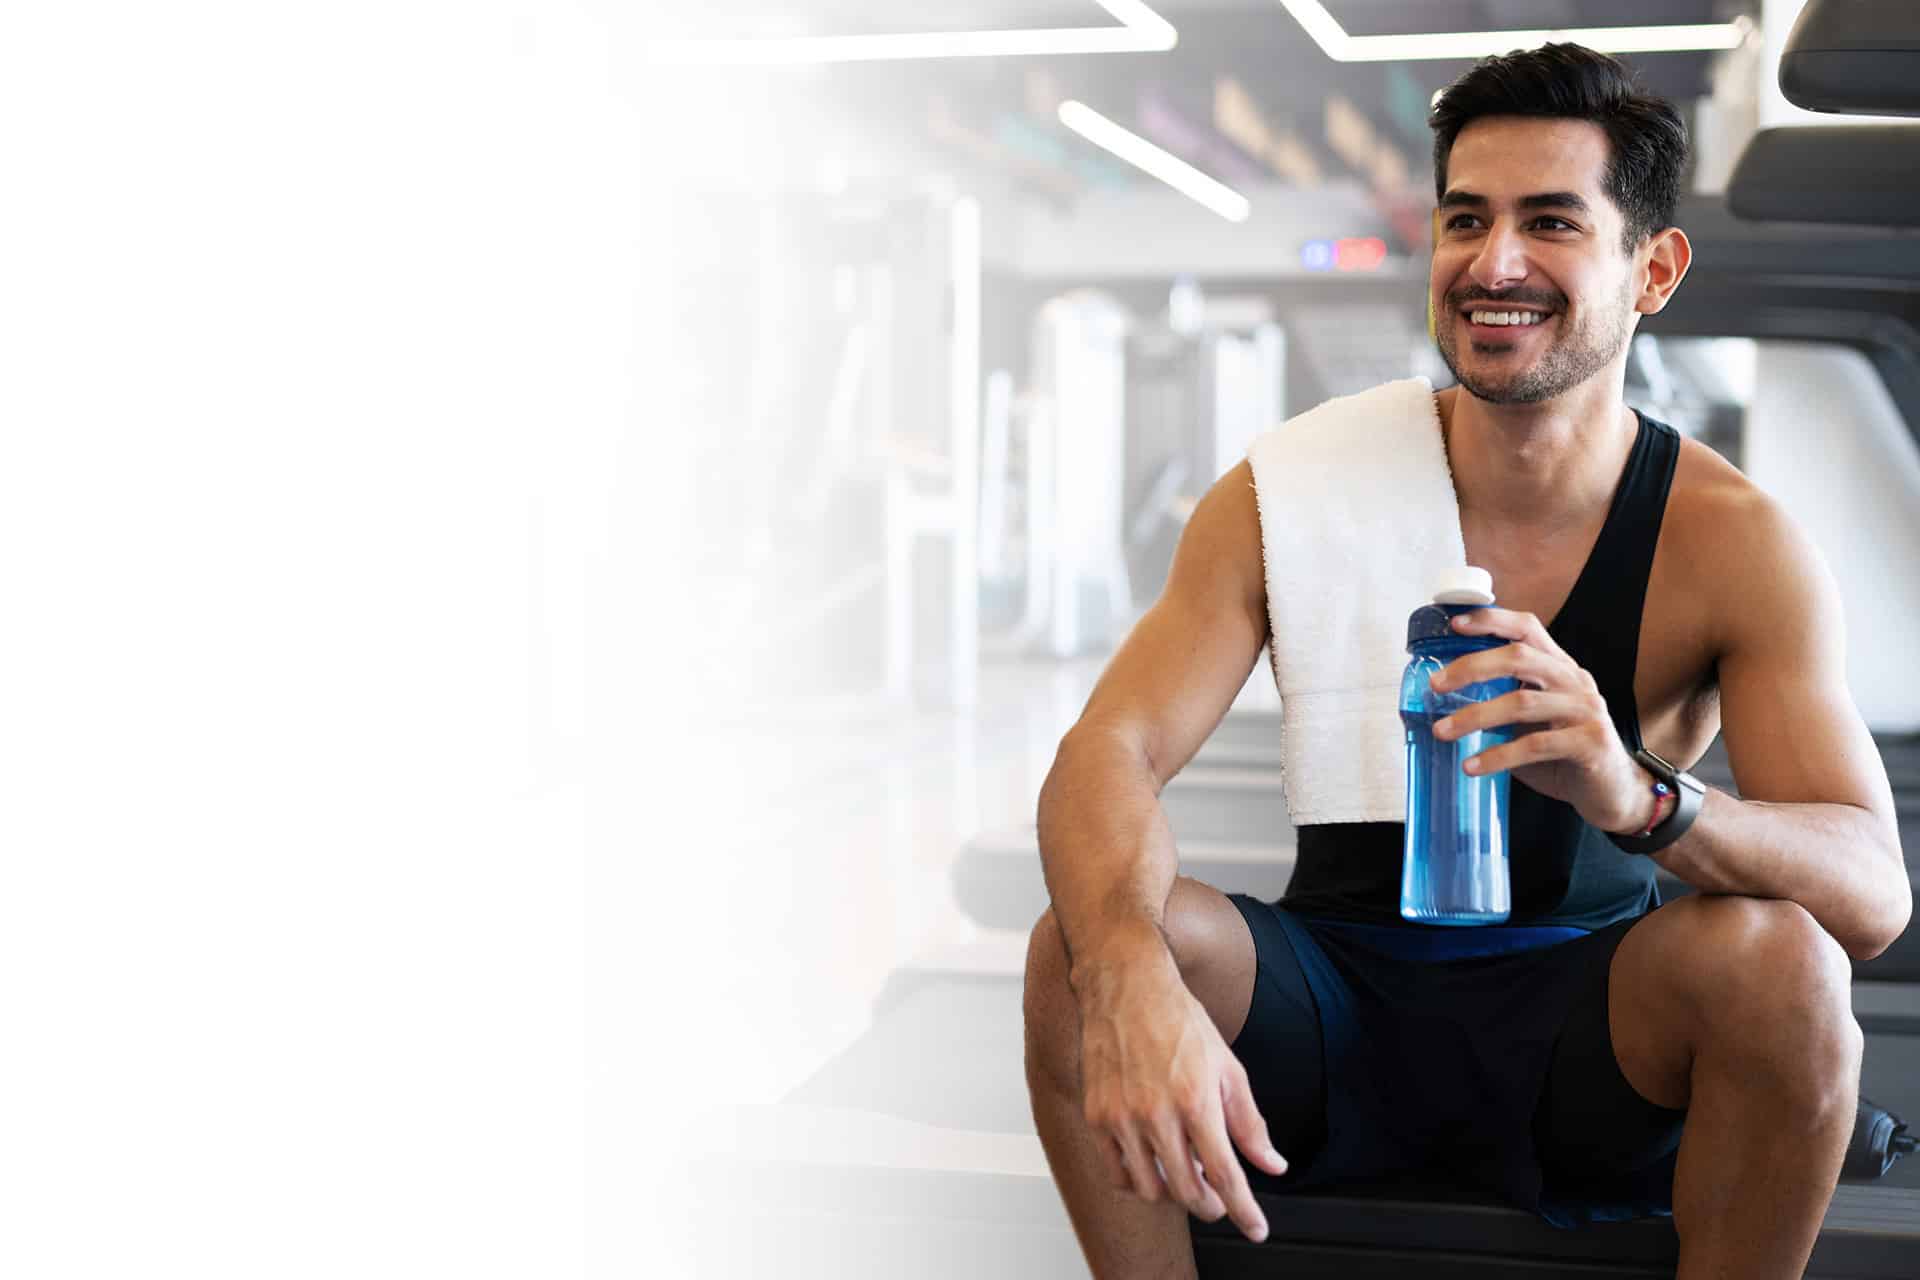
1164,165
1141,30
1341,47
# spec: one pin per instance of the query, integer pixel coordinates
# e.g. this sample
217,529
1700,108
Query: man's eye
1560,224
1460,220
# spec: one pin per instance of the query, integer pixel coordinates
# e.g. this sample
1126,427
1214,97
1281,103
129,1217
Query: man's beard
1569,360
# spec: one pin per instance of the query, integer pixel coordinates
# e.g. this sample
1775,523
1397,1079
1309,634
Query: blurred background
962,306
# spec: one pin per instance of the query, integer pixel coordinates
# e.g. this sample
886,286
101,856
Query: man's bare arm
1105,844
1816,823
1165,1101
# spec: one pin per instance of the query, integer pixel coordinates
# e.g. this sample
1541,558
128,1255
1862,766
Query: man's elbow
1893,912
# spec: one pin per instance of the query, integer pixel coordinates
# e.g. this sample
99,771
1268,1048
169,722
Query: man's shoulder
1740,552
1713,509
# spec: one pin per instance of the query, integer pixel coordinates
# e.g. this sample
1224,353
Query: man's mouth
1490,318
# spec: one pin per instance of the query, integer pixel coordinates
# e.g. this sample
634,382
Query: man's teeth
1507,317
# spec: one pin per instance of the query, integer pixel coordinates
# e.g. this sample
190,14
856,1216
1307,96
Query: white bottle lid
1465,585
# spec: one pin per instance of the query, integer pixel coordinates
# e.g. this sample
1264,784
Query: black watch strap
1688,790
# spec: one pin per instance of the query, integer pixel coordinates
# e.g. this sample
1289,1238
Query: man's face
1525,226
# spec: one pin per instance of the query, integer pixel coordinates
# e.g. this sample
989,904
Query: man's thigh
1215,951
1279,1041
1590,1119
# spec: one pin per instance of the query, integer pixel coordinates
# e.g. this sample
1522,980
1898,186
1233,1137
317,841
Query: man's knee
1762,952
1046,953
1772,990
1051,1013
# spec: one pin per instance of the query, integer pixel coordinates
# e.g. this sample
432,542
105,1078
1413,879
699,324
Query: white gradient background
318,331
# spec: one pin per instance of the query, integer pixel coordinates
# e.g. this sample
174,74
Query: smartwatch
1689,793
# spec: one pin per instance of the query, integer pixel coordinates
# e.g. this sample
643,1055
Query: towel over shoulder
1358,516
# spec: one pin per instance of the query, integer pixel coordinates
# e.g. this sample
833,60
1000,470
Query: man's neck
1546,466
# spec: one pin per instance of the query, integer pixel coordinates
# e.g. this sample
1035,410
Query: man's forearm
1106,849
1838,861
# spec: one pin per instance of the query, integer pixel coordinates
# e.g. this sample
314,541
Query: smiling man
1602,1055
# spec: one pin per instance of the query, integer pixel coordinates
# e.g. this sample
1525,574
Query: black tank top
1565,872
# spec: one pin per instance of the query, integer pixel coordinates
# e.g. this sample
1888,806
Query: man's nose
1502,260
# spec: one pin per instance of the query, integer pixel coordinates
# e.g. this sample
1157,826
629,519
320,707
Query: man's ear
1668,254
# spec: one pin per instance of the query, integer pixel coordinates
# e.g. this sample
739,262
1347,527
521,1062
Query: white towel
1358,517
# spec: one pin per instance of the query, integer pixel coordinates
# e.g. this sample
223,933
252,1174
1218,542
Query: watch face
1664,763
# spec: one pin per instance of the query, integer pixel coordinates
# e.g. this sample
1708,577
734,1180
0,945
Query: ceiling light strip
1164,165
1141,30
1334,41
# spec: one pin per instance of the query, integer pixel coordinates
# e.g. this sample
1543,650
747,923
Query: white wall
1824,437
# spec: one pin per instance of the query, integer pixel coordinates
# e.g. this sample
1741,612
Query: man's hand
1164,1096
1568,748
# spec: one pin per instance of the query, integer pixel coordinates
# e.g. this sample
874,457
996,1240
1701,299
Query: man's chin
1507,390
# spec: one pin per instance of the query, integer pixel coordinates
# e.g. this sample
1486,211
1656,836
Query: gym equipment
1097,465
1080,570
1890,1005
1800,174
1861,58
1879,1139
1201,384
851,423
1350,346
937,494
1848,286
1017,475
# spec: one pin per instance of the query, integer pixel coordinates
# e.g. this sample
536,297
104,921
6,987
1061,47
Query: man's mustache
1531,297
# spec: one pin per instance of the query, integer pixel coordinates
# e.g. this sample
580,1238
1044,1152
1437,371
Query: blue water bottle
1455,868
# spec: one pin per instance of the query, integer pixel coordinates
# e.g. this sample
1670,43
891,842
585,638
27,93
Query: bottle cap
1465,585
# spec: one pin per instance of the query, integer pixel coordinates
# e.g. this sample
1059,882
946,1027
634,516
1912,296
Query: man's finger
1246,1126
1518,661
1139,1164
1115,1160
1508,624
1176,1160
1227,1178
1532,748
1514,710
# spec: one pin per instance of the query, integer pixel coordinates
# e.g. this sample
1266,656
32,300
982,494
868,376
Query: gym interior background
964,309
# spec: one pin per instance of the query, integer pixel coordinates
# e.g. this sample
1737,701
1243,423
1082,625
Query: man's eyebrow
1459,198
1570,200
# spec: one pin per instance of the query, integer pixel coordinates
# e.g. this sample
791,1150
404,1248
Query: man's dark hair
1571,82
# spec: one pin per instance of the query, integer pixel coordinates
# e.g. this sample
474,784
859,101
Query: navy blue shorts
1495,1071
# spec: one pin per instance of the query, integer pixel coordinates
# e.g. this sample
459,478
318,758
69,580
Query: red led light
1364,253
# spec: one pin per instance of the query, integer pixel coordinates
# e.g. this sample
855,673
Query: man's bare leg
1121,1234
1759,1043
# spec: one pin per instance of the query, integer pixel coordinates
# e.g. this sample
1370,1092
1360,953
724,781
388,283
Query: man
1699,1059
